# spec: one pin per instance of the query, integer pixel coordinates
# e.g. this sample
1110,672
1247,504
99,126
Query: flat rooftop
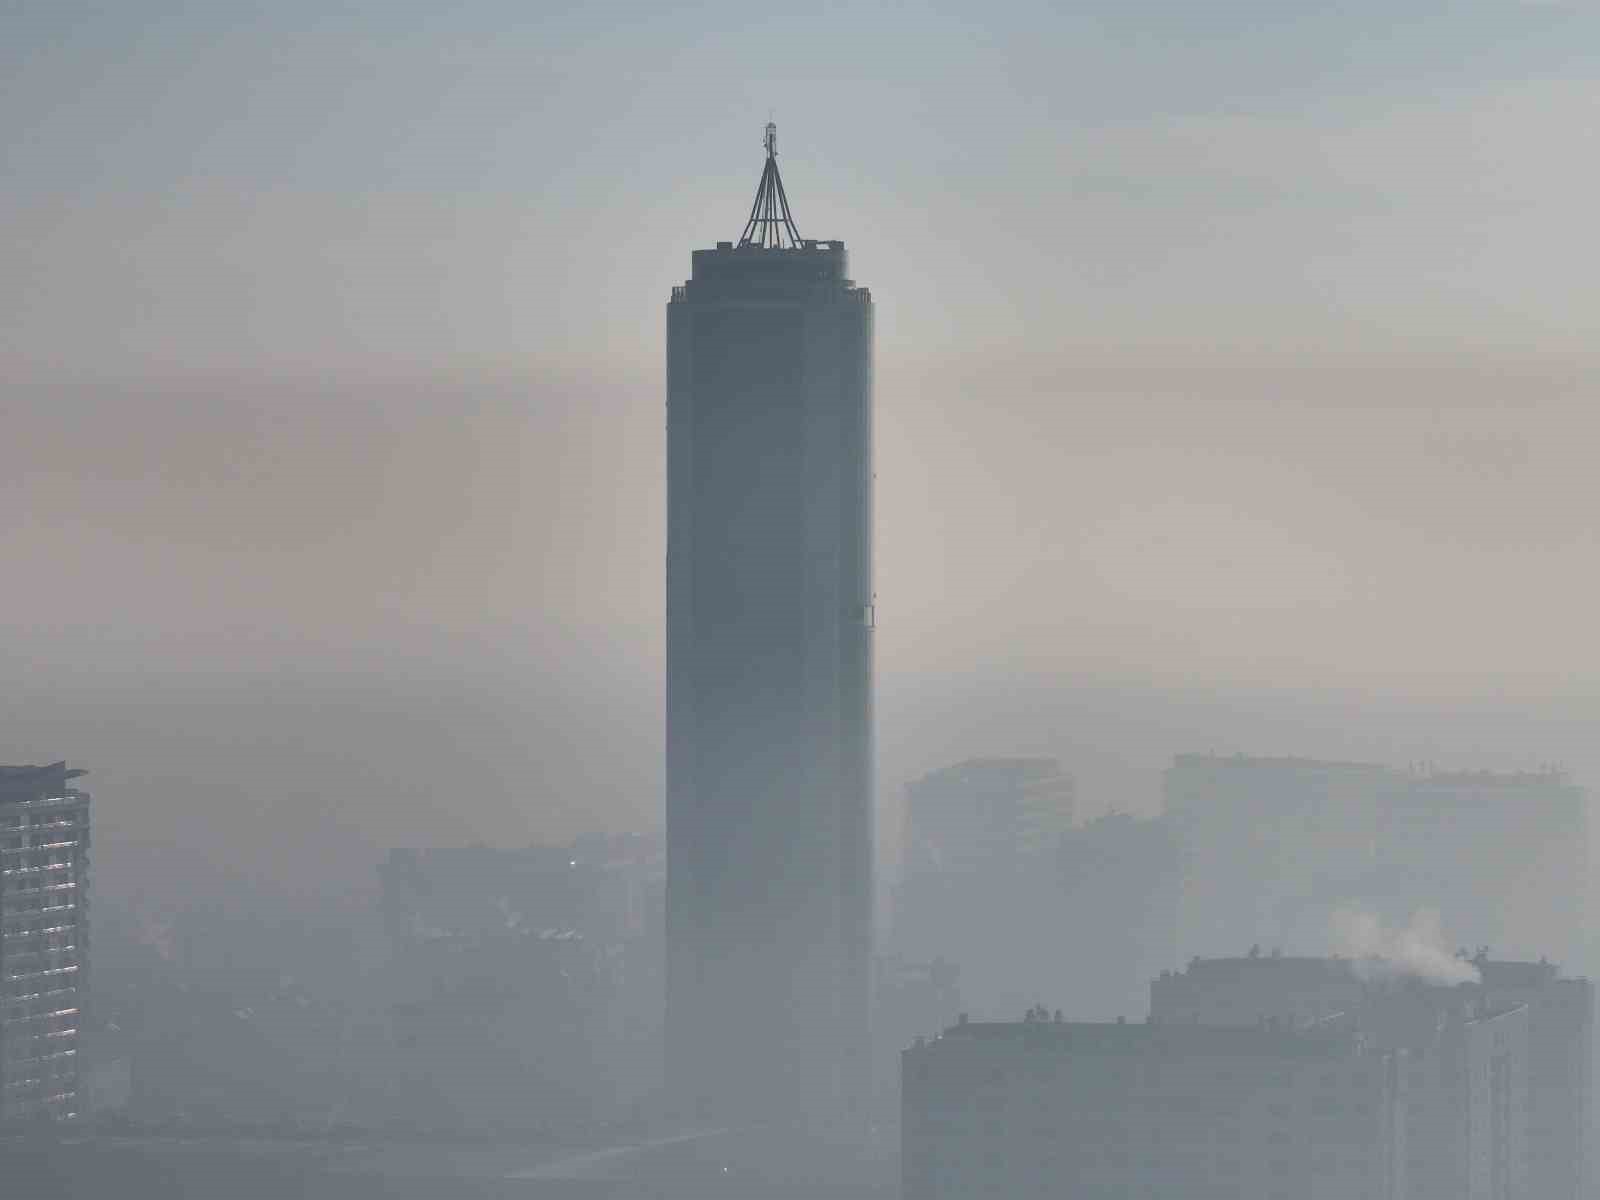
1250,762
1295,964
765,269
22,783
1495,972
1154,1040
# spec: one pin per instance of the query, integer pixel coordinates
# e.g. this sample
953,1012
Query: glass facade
44,869
769,681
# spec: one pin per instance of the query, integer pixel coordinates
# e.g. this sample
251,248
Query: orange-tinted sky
1231,351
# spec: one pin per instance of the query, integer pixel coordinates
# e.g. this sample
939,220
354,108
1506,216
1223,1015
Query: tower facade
44,931
769,673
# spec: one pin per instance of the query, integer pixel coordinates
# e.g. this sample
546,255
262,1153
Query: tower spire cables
771,225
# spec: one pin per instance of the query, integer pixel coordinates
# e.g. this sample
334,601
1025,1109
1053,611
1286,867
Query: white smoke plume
1417,951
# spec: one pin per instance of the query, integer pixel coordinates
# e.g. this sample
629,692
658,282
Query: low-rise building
1499,1063
1466,1090
524,985
1560,1070
1256,987
1046,1107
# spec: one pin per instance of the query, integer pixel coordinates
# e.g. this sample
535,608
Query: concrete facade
1256,988
1560,1071
1041,1107
1498,1069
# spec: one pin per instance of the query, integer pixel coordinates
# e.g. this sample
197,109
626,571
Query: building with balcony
44,877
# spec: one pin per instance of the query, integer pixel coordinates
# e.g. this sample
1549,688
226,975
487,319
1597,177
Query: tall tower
769,673
44,932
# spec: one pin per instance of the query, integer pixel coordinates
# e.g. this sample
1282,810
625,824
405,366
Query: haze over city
1233,383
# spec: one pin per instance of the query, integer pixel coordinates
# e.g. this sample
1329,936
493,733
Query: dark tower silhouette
769,674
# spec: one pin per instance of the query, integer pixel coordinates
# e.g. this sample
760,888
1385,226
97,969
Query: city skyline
293,356
556,718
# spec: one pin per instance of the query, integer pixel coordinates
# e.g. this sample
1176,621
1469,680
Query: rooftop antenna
771,224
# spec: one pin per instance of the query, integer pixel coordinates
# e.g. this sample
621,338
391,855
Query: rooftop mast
771,225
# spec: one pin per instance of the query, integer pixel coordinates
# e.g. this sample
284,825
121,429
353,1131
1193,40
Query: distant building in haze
997,879
980,877
1271,845
523,986
605,887
1274,846
1120,879
769,672
1503,856
987,809
44,927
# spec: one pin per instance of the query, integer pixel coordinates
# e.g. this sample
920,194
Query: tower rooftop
771,225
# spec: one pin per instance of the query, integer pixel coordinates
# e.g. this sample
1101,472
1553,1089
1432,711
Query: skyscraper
769,671
44,926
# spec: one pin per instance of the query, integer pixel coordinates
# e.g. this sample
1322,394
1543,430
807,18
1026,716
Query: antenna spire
771,224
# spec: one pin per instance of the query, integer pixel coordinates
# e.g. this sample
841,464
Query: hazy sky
1241,348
